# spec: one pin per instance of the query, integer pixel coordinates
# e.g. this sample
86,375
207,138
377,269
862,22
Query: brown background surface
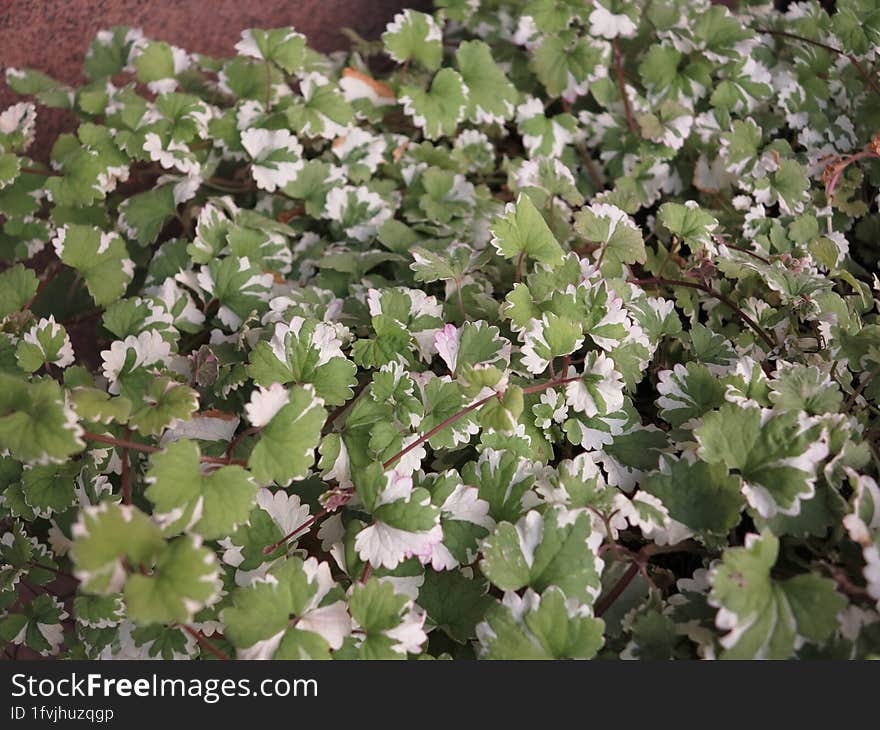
53,35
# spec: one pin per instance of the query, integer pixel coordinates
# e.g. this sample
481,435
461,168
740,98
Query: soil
53,35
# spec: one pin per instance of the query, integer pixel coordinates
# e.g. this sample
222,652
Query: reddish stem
590,166
54,570
659,281
846,162
238,439
619,587
744,250
203,641
37,171
852,59
269,549
268,87
123,443
472,407
51,272
126,481
618,63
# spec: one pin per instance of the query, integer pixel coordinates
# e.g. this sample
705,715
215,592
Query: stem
619,587
717,295
754,255
53,570
125,444
37,171
618,62
852,59
857,391
590,166
126,481
88,314
460,300
37,590
638,563
519,263
331,419
203,641
51,272
227,186
101,438
368,569
237,440
439,427
840,166
601,256
268,87
402,73
472,407
269,549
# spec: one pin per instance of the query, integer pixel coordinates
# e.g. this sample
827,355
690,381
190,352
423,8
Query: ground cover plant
541,329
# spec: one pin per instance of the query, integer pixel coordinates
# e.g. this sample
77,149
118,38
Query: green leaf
211,504
164,404
414,36
788,185
618,237
38,626
539,627
689,222
279,616
143,216
185,579
36,425
97,406
109,51
502,479
549,338
324,113
687,392
46,342
443,400
157,62
776,453
548,136
768,618
377,610
17,286
290,433
305,351
454,603
282,46
49,489
99,257
502,414
491,97
10,166
522,230
437,112
276,157
45,89
99,611
108,536
702,496
798,387
566,70
540,551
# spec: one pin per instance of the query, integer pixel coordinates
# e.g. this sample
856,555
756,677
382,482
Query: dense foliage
542,329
